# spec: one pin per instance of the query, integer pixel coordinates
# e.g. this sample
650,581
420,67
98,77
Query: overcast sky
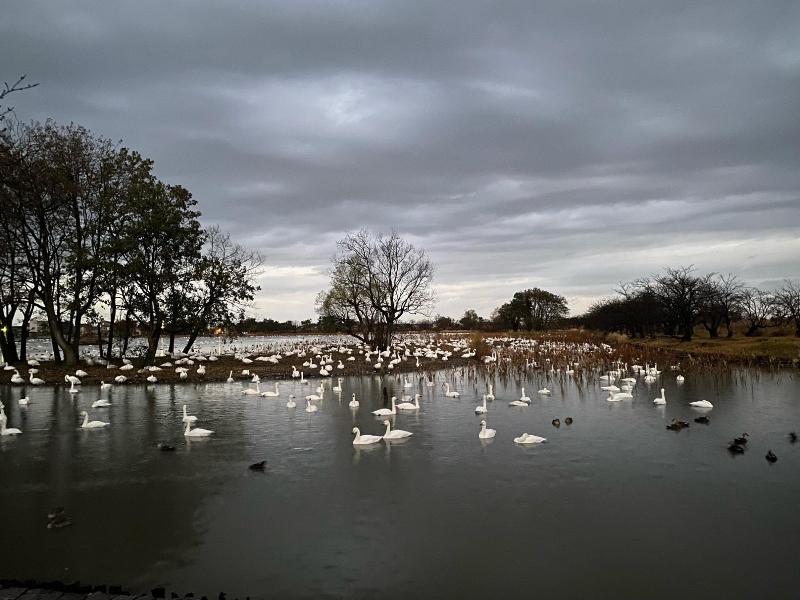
564,145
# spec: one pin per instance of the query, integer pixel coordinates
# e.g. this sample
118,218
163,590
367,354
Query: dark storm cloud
568,145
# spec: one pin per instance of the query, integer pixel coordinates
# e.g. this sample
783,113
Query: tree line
87,230
678,299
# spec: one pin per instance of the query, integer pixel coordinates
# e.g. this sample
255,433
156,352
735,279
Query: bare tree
722,303
788,303
683,295
758,309
384,273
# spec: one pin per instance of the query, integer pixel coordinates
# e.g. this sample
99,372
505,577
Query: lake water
612,506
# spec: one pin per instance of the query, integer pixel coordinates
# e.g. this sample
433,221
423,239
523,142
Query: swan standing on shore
363,440
395,434
87,424
35,380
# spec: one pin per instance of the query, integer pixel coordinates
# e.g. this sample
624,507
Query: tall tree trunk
112,315
171,349
153,337
100,337
8,346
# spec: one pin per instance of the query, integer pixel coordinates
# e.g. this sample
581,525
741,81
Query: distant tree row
677,300
87,230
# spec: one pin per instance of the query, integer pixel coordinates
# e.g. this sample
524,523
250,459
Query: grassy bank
783,350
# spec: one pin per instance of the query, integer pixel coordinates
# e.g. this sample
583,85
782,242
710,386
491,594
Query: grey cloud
564,144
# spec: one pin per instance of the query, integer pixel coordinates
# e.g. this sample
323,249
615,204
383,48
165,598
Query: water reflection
613,484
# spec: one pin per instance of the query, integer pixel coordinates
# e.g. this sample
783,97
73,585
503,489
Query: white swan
517,403
269,394
8,430
291,403
80,373
395,434
72,389
101,404
385,412
545,392
230,377
318,396
481,408
152,379
363,440
252,392
490,395
409,405
199,432
338,387
527,438
104,385
123,379
35,380
406,385
310,408
17,378
661,399
486,434
72,379
523,397
612,397
450,394
188,418
701,404
622,395
680,379
87,424
353,403
24,401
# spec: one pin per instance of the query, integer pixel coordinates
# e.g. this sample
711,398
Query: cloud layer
567,145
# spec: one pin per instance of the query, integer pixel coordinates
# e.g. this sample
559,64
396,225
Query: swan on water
680,379
152,379
7,430
24,401
517,403
661,399
87,424
701,404
395,434
101,403
338,387
527,438
199,432
252,392
363,440
450,394
269,394
353,403
385,412
188,418
291,403
486,434
490,395
230,377
310,408
612,397
544,391
523,397
104,385
123,379
481,408
409,405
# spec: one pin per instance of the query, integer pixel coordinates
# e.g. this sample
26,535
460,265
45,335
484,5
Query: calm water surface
613,506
